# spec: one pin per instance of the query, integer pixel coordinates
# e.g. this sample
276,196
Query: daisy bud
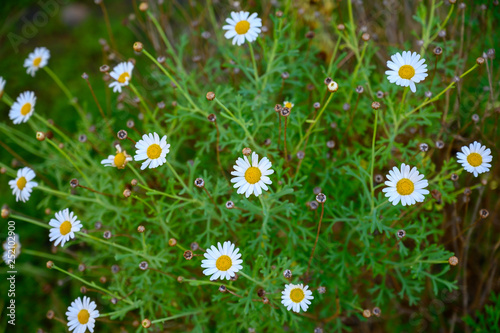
423,147
122,134
375,105
50,314
5,213
442,33
130,123
316,105
453,261
467,191
143,265
102,279
222,288
3,170
346,107
484,213
199,182
287,274
133,182
194,246
321,198
115,269
180,279
452,1
229,204
454,177
85,76
146,323
313,205
74,182
278,108
438,51
127,193
82,138
367,313
285,75
328,80
341,27
318,330
376,311
210,95
310,34
247,151
141,229
83,289
333,87
212,117
107,234
475,118
188,255
61,146
98,225
321,289
301,155
104,68
360,89
285,112
143,6
172,242
380,94
365,36
401,233
50,264
279,13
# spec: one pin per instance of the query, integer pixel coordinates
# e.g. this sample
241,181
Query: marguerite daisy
37,59
152,149
405,185
296,297
2,86
406,69
22,185
12,248
23,107
222,261
241,26
122,73
251,178
64,227
119,160
82,315
475,158
287,104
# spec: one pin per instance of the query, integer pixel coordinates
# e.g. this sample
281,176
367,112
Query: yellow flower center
154,151
65,228
37,61
288,105
475,159
120,159
123,77
26,108
252,175
242,27
406,72
297,295
83,316
21,183
223,263
405,186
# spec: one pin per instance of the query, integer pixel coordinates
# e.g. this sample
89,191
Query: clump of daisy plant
251,177
475,159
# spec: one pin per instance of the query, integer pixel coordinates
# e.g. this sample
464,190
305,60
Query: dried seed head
480,60
138,45
104,68
134,182
50,264
40,136
50,314
318,330
442,33
310,86
360,89
206,35
261,292
222,288
375,105
146,323
48,211
439,144
301,155
188,255
74,182
102,279
346,106
61,146
279,13
172,242
3,170
107,234
310,34
328,80
330,144
367,313
122,134
115,269
333,86
436,195
81,267
438,51
143,265
401,233
194,246
365,36
285,112
82,138
321,289
127,193
199,182
180,279
265,300
246,151
313,205
141,229
285,75
278,107
341,27
210,95
316,105
379,178
380,94
229,204
5,213
475,118
321,198
114,300
287,274
212,117
130,123
454,177
83,289
234,277
267,142
376,311
452,1
484,213
428,94
453,261
456,79
423,147
161,59
491,53
467,191
143,6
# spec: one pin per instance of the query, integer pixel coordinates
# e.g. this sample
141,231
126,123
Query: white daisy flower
152,149
296,297
36,60
251,178
289,105
122,73
119,160
64,227
406,69
2,85
23,107
222,261
475,158
241,26
82,315
12,249
405,185
22,186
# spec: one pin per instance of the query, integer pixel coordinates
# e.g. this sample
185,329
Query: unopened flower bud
333,87
247,151
199,182
188,255
138,45
40,136
375,105
73,182
146,323
172,242
210,95
453,261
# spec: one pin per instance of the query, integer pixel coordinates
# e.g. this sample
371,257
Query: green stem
48,256
254,64
249,278
180,315
236,120
30,220
372,191
7,100
273,54
65,90
177,176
